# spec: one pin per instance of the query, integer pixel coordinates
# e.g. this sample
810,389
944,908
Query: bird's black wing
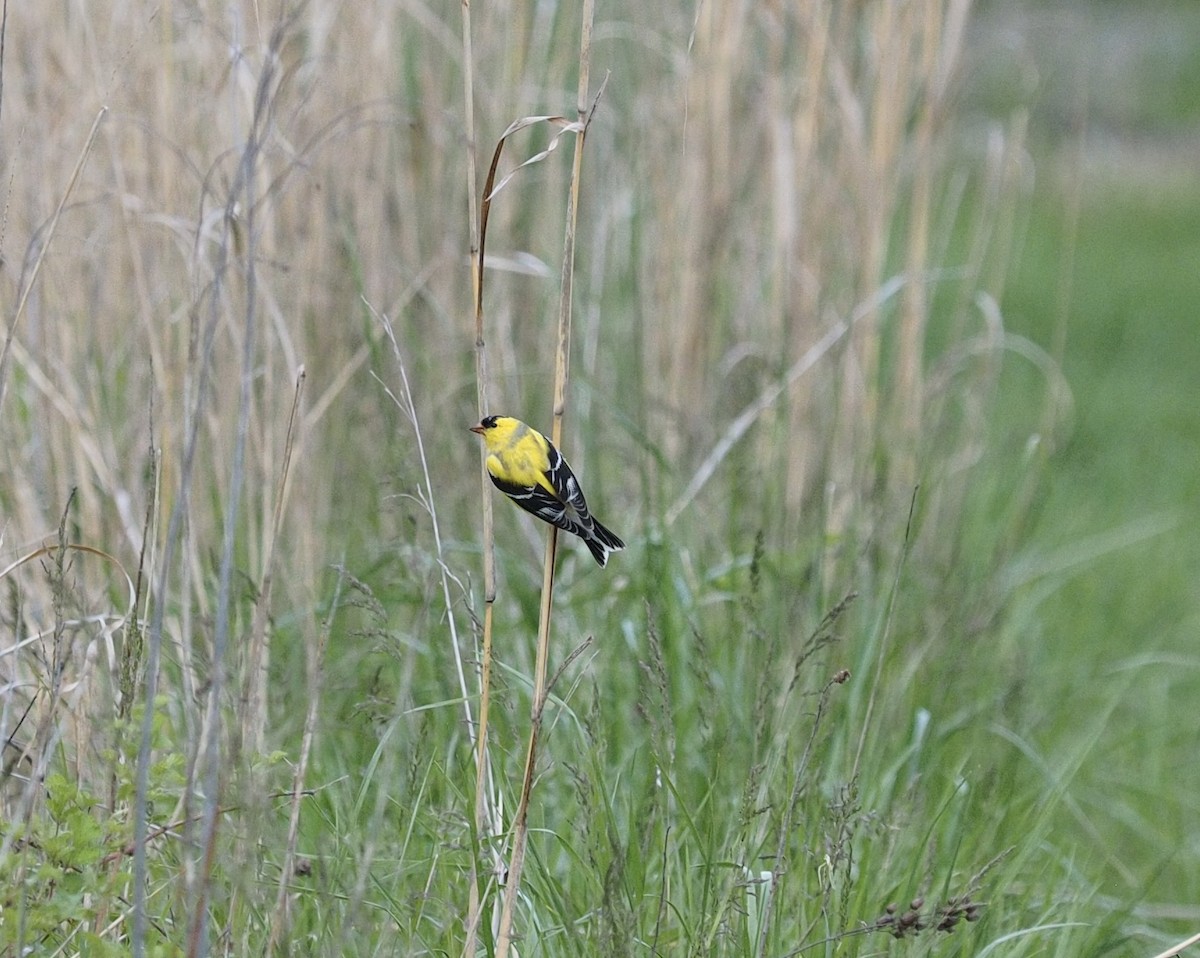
539,502
566,508
567,486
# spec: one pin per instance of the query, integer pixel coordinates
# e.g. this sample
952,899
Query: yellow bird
526,467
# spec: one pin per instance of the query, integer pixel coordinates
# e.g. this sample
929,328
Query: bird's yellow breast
519,456
518,467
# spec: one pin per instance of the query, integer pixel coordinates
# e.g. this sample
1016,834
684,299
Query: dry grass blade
255,689
3,38
406,405
114,622
45,246
1176,949
476,225
491,188
564,126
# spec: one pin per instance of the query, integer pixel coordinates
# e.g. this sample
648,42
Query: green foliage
66,873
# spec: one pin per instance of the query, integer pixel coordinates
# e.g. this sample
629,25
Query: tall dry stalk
483,824
516,864
491,189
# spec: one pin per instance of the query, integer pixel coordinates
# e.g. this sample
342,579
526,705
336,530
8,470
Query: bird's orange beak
477,429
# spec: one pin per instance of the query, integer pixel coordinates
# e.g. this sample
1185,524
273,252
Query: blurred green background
1110,270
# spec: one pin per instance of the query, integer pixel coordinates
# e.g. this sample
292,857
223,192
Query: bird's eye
489,422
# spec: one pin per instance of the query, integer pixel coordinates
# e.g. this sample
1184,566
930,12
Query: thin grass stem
561,372
44,246
316,681
254,701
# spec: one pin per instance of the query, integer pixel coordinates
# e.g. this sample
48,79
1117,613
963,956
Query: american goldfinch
526,467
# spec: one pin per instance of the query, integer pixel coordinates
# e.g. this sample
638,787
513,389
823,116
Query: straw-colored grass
241,359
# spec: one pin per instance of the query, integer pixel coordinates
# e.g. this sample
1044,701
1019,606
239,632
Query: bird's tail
602,541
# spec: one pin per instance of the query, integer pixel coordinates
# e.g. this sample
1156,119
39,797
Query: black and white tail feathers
565,508
602,541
